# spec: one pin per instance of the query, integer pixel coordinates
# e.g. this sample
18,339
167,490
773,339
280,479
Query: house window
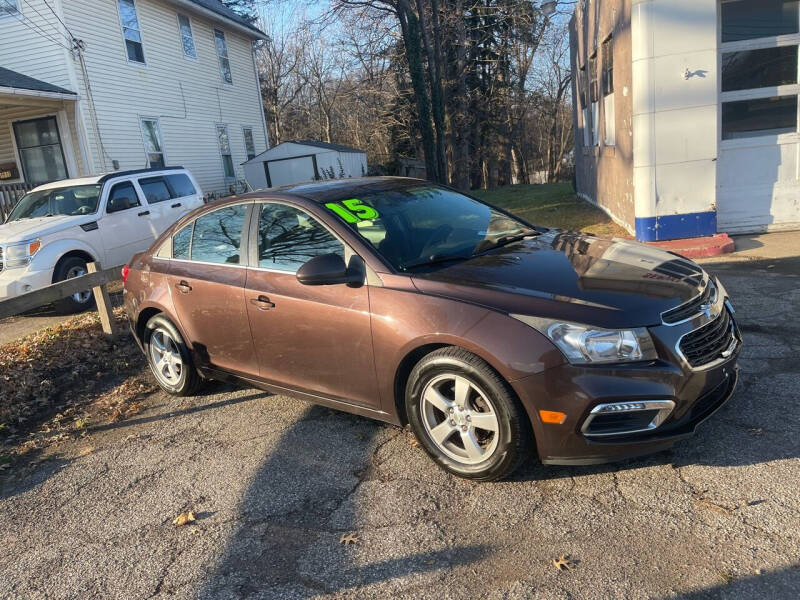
187,39
153,147
8,8
131,31
752,19
40,151
222,54
225,151
759,67
584,107
249,144
594,93
608,92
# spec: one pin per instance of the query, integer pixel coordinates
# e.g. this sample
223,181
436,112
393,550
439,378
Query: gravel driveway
275,483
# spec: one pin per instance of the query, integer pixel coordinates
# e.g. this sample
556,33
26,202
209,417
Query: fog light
622,418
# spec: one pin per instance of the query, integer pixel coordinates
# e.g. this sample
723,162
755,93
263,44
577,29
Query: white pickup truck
56,228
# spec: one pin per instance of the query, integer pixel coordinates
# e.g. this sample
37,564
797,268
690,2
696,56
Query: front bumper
15,282
577,390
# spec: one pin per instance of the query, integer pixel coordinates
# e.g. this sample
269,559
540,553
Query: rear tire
169,359
466,417
67,268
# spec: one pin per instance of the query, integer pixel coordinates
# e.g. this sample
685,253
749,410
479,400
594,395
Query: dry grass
553,205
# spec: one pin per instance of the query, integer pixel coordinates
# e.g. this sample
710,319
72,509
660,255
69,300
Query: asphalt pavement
274,484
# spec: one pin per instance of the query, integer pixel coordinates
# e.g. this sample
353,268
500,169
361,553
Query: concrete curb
704,247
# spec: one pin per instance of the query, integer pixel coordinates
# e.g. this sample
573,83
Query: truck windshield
72,200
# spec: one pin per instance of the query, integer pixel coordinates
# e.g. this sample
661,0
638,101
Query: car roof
324,191
94,179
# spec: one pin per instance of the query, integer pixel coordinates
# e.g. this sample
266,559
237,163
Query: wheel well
77,253
403,371
144,317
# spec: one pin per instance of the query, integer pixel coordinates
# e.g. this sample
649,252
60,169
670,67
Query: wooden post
103,302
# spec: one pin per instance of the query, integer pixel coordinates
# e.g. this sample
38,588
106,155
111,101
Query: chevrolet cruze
412,303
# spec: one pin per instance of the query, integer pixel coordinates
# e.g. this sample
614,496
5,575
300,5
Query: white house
91,86
299,161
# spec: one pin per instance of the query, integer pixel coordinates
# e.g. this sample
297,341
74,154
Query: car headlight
19,255
585,344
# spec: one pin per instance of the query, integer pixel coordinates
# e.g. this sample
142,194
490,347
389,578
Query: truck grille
708,343
691,308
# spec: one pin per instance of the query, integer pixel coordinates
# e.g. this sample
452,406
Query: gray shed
300,161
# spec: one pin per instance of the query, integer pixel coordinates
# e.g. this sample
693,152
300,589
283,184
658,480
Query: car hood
574,277
27,229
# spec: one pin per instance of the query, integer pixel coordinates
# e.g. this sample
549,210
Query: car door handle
183,287
144,213
262,302
177,205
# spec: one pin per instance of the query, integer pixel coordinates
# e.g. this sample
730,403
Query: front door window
40,151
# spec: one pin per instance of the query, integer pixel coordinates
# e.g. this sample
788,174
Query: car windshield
425,225
72,200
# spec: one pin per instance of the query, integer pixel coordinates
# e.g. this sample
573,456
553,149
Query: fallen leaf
349,538
85,451
564,563
184,518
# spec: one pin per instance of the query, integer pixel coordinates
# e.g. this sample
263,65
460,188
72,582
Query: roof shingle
12,79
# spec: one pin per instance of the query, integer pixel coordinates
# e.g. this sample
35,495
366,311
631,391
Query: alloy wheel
460,418
165,357
79,297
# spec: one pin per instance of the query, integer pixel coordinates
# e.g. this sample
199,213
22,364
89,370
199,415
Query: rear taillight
126,270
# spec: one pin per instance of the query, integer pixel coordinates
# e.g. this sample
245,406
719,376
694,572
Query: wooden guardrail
97,279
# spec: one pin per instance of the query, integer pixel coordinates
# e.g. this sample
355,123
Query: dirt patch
59,380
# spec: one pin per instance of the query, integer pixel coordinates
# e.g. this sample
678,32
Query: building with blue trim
686,114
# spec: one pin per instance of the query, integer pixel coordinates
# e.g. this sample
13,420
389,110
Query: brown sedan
412,303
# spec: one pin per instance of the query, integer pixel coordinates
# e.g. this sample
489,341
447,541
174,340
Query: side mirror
118,204
329,269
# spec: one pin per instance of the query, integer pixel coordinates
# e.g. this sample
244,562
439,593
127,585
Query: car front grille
2,263
710,342
691,308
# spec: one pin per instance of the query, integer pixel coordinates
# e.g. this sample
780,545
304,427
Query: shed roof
313,144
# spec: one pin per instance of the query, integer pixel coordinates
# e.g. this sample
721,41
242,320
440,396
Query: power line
36,10
34,27
60,20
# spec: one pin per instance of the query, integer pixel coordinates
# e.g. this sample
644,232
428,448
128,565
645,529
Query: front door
206,279
315,339
125,225
40,151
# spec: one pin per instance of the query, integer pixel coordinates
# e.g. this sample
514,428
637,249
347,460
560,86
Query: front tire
169,358
466,416
68,268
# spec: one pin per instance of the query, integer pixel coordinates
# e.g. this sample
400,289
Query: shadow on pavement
784,583
298,505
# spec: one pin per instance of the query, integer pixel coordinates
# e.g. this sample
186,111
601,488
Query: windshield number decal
353,210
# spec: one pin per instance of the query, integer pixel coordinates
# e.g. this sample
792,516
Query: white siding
354,164
187,96
25,49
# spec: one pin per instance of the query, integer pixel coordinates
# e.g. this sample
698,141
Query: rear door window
217,236
155,189
181,243
181,185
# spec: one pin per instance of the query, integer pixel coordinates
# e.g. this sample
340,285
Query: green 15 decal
353,210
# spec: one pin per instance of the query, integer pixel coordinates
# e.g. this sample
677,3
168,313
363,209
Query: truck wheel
67,268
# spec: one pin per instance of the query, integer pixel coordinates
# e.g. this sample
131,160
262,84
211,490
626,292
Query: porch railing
10,193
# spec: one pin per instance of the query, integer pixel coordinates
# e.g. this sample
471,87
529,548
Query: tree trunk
411,39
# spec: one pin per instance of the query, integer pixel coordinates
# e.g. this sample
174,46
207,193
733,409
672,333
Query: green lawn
553,205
